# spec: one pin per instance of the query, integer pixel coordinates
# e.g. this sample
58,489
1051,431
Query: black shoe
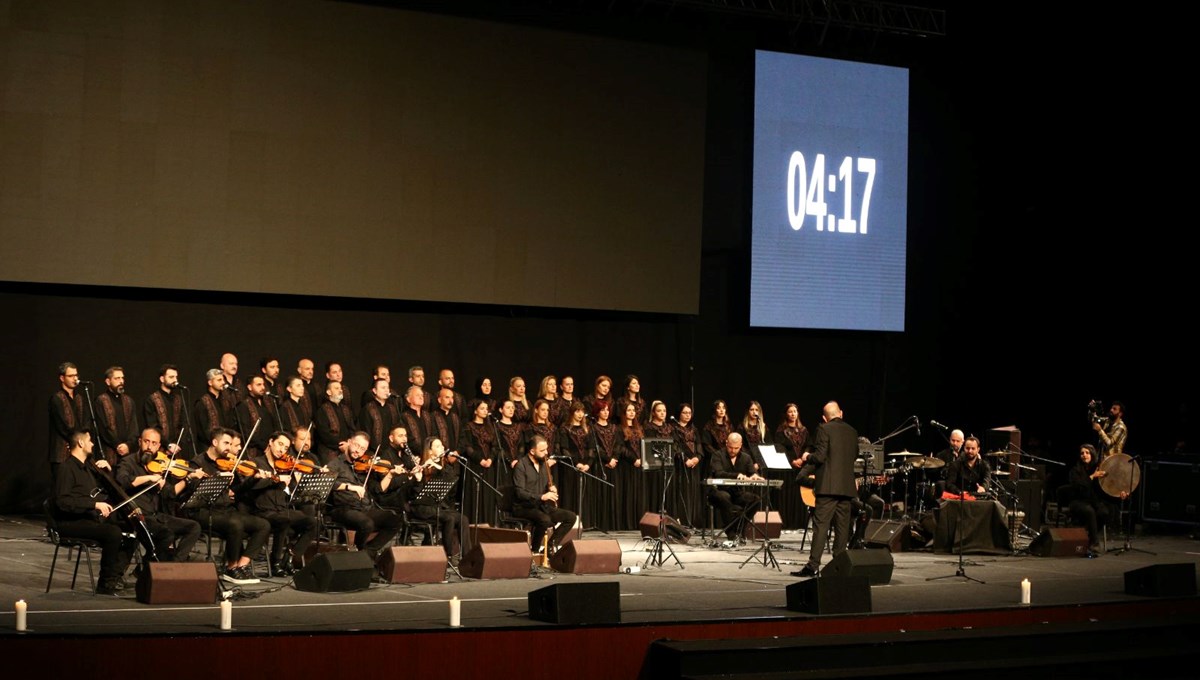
806,572
110,587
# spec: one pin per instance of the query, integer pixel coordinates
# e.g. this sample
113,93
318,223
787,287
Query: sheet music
774,459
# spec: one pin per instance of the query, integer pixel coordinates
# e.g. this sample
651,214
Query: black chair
504,517
83,545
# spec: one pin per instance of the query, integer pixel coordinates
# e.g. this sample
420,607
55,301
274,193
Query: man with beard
163,409
335,422
116,417
229,369
381,372
210,409
536,497
312,394
379,415
268,368
969,471
257,408
68,413
1112,435
352,500
244,534
173,536
268,497
446,381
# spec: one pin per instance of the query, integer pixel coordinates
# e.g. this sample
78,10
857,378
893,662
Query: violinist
352,501
244,534
435,466
396,457
537,497
134,473
82,511
268,494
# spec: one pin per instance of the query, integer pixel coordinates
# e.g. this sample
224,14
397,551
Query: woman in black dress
791,439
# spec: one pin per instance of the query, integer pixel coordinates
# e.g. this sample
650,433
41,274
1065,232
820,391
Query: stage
708,593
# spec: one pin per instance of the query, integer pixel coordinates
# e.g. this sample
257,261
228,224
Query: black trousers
235,527
168,530
115,550
835,509
544,516
383,523
731,505
449,520
286,524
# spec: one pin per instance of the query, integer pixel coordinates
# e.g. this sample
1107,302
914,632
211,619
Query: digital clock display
829,222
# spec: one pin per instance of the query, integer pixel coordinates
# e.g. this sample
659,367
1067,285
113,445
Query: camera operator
1112,430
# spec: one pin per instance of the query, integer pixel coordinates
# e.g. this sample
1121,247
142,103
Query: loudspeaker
177,583
1060,542
1162,580
676,532
576,603
317,548
588,557
336,572
893,535
413,564
497,560
830,595
770,522
874,564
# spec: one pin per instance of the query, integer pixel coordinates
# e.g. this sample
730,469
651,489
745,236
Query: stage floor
705,584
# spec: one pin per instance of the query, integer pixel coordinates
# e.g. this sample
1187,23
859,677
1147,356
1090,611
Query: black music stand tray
314,488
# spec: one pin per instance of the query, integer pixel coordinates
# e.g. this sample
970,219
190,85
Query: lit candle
20,609
226,615
1025,589
455,612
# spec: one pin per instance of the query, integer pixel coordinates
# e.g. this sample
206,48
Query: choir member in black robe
379,415
689,469
481,448
68,413
607,457
295,411
257,409
631,484
512,436
576,448
483,392
601,394
791,439
415,416
211,411
632,394
516,394
163,409
335,423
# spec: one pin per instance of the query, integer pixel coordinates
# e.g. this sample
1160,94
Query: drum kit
908,467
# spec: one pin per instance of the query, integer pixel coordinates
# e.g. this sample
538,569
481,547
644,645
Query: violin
244,467
161,463
380,466
306,466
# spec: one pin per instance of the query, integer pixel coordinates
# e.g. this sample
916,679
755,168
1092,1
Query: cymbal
997,453
999,473
926,462
1121,473
904,453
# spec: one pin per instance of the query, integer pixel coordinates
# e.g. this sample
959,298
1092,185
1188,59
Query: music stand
657,454
436,490
205,497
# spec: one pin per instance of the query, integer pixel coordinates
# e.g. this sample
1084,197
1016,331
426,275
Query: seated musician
536,497
81,513
173,537
268,495
968,472
450,520
244,534
733,502
1082,495
352,502
864,507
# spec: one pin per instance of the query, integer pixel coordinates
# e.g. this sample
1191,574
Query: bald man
832,458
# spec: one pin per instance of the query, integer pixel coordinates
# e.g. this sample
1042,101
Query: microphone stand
961,571
1128,547
187,417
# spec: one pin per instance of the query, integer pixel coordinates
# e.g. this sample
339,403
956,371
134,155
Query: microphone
178,386
86,382
937,424
560,457
918,425
673,419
